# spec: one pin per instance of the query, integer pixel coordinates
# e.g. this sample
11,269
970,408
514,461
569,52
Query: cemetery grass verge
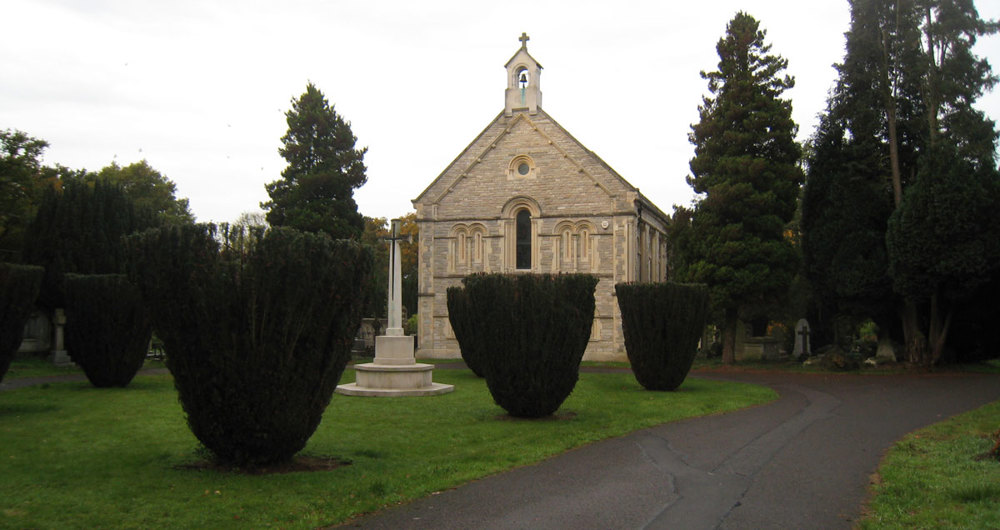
31,366
940,476
76,456
715,364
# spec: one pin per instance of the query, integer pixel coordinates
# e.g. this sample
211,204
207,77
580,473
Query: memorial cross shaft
395,309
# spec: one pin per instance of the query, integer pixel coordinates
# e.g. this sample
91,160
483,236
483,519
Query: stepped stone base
394,372
393,380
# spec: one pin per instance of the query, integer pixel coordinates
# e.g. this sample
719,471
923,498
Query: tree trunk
888,99
916,342
729,329
938,331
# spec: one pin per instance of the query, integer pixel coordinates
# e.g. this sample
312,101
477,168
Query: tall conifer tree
316,191
746,167
901,120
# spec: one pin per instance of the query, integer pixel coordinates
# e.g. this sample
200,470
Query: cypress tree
746,167
316,189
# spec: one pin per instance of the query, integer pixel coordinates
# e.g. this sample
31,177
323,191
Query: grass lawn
790,366
34,366
936,478
75,456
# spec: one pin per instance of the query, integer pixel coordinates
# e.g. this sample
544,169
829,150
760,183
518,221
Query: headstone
38,334
886,352
802,347
59,356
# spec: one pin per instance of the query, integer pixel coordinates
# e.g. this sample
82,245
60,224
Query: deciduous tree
21,179
149,189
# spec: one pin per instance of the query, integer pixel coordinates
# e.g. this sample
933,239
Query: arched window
523,248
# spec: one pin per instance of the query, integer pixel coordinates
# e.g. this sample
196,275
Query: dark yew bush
19,286
107,327
79,229
256,334
662,323
530,332
458,315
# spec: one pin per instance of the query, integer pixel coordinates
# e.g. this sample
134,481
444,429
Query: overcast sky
199,88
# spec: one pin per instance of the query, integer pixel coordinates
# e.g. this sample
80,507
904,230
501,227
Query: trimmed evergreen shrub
19,285
530,332
458,315
107,327
662,323
256,335
79,229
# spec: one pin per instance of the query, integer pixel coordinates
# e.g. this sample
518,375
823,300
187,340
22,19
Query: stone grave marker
802,347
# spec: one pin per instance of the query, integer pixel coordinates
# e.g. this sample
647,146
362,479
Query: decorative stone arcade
395,372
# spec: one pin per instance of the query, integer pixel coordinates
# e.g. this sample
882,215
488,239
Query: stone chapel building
525,196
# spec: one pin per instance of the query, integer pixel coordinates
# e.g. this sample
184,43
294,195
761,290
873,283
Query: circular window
522,167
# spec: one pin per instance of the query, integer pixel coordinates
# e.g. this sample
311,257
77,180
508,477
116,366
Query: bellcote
523,91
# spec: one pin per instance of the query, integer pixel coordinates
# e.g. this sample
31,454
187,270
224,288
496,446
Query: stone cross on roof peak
524,39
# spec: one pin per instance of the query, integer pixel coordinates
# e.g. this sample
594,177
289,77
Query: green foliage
679,243
409,261
902,112
845,208
107,327
662,323
465,329
256,339
411,325
529,333
148,189
316,191
746,165
377,229
20,168
376,291
79,230
19,285
943,239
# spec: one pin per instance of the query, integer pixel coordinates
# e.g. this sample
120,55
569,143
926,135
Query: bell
524,78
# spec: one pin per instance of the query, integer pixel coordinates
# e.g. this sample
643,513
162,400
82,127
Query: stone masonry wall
583,215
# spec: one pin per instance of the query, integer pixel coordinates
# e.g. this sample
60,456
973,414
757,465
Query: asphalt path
803,461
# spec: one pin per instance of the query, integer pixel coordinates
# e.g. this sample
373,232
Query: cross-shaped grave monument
395,372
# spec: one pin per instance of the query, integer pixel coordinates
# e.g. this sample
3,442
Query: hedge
19,286
107,327
530,333
256,334
662,323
